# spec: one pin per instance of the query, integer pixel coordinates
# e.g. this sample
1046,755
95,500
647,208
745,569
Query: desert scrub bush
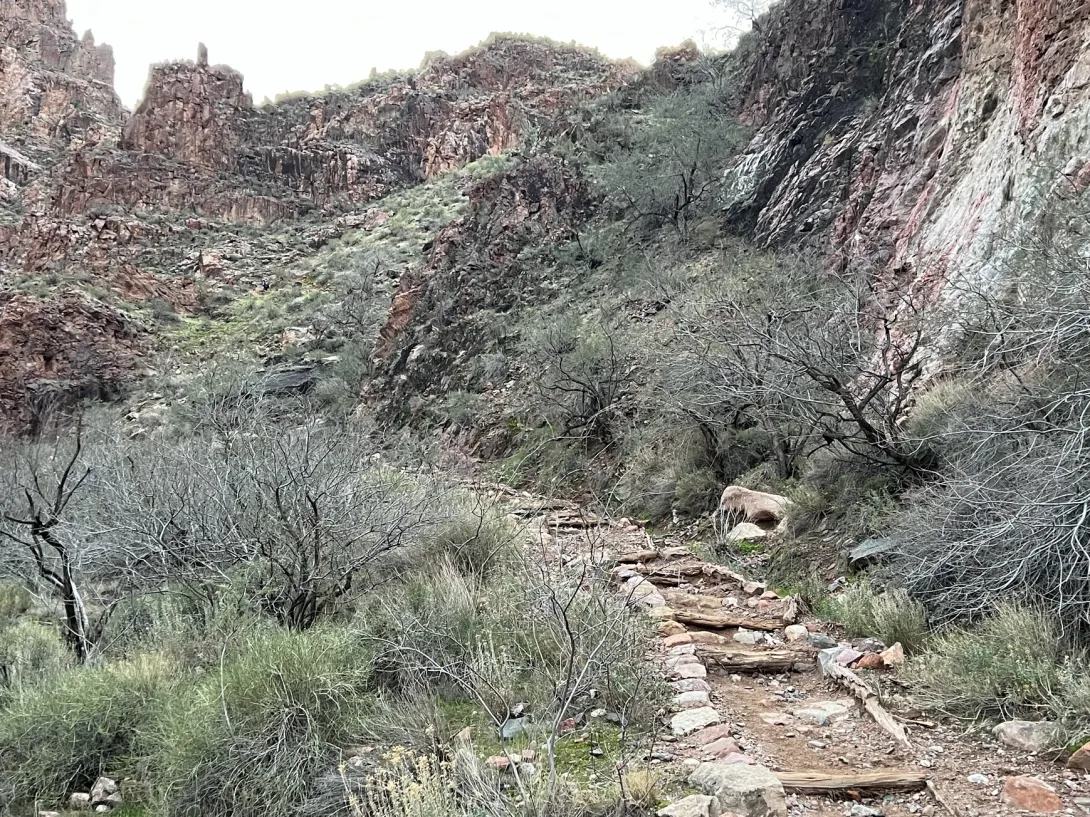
472,536
582,369
30,653
1014,664
250,738
890,615
64,733
520,637
848,493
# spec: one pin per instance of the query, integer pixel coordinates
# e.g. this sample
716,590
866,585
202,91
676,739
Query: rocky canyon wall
931,140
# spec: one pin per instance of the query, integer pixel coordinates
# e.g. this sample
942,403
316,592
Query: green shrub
14,602
851,494
1015,664
474,538
83,723
889,616
251,738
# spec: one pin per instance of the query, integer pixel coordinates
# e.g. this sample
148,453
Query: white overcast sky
303,46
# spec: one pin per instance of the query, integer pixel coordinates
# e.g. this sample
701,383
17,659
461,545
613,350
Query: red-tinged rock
710,735
871,660
721,747
1031,794
499,762
566,726
1080,759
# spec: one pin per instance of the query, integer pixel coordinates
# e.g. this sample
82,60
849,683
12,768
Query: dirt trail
789,720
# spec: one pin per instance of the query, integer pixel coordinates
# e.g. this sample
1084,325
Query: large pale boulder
1029,736
748,791
738,504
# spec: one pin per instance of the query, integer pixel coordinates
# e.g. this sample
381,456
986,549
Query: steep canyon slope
929,140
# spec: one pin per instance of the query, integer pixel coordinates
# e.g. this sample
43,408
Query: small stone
749,637
1029,736
820,641
501,762
512,727
527,769
529,755
753,602
748,791
848,656
102,789
823,713
114,800
670,628
677,660
776,718
690,671
731,601
859,810
894,656
753,588
1030,794
102,808
677,640
693,720
795,632
1083,804
49,814
682,649
817,744
79,801
691,700
691,685
737,757
770,595
1080,759
978,779
695,805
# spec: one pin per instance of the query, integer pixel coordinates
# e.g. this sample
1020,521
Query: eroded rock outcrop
55,352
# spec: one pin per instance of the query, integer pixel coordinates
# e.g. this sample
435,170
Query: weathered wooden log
859,688
637,556
729,658
817,782
722,621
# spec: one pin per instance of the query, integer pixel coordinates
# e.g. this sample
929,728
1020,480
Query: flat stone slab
691,700
748,791
693,720
695,670
691,685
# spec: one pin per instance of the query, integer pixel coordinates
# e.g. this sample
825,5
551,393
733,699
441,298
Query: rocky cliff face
929,139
